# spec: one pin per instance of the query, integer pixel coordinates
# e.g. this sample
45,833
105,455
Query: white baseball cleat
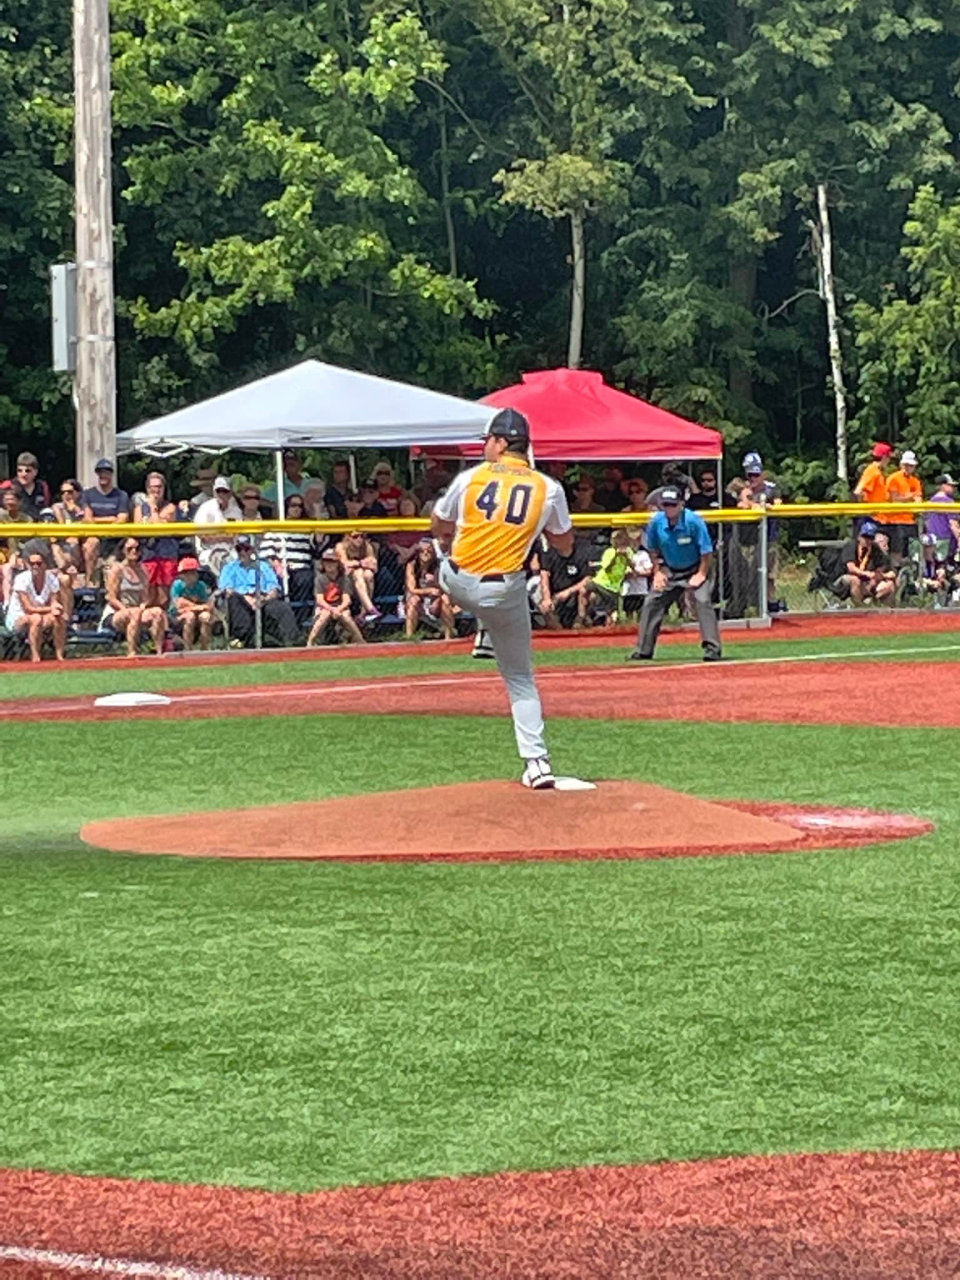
538,775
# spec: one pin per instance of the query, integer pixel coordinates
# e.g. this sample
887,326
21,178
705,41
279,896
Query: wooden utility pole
96,378
824,244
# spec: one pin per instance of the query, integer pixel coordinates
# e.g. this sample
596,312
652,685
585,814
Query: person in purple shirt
945,527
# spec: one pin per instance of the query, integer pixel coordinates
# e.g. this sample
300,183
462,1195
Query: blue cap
104,464
510,425
868,529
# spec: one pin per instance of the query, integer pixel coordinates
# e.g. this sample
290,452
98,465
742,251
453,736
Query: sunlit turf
169,674
294,1025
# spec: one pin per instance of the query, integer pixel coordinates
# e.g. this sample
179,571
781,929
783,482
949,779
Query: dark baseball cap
242,540
946,478
868,529
104,465
510,425
670,495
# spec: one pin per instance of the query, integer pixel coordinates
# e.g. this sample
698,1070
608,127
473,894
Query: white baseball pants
503,610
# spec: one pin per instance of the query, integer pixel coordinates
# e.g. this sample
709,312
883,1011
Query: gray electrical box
63,315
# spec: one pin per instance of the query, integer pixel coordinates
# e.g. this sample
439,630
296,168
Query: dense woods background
455,191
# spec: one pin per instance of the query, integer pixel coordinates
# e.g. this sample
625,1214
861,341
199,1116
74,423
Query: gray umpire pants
503,611
658,602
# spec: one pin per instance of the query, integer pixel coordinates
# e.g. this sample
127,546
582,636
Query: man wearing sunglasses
681,549
34,492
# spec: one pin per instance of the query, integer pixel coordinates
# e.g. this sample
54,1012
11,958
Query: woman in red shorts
159,555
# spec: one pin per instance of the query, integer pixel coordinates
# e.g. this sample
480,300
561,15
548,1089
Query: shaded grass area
300,1025
169,675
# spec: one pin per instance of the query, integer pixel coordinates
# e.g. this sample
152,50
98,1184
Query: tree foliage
394,186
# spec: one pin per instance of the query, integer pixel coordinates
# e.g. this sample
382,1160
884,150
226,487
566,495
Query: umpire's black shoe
637,656
713,657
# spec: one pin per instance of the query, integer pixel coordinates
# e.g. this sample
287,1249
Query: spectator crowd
160,591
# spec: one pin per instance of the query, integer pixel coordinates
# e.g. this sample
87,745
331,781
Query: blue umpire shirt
236,576
680,545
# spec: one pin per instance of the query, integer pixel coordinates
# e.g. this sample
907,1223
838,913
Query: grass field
292,1026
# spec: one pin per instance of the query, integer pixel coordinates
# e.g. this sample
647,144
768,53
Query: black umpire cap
512,426
670,495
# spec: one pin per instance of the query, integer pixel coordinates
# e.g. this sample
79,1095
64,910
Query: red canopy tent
576,417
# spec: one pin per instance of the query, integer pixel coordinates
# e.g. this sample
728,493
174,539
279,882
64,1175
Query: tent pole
721,577
353,472
281,510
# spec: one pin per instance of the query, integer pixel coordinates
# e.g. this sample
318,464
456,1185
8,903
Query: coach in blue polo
681,549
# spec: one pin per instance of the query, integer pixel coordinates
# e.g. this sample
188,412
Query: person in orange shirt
903,486
489,518
872,485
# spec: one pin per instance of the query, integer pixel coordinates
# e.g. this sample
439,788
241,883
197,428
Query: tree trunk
575,347
824,242
743,286
445,191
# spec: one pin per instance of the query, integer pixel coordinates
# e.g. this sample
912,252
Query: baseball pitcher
489,518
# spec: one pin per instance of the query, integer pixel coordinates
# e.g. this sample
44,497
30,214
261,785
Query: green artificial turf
170,674
295,1025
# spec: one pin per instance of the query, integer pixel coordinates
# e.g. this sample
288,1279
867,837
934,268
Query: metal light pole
96,379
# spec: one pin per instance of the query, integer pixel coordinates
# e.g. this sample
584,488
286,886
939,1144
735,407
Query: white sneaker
538,775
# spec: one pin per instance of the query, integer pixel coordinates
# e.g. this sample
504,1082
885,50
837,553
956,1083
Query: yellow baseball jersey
499,508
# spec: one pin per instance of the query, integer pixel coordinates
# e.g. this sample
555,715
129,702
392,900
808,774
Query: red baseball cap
188,562
882,450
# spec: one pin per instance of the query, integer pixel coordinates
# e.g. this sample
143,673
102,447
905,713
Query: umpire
681,549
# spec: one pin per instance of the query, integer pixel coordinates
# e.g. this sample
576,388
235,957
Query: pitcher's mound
497,820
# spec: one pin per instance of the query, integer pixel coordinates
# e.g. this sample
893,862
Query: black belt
485,577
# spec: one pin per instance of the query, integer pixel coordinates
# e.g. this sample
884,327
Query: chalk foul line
95,1265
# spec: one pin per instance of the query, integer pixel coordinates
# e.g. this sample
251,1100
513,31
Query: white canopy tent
312,406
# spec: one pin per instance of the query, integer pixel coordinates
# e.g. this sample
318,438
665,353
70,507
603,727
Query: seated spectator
584,496
203,483
291,554
127,608
104,504
34,492
868,575
315,500
248,583
359,558
334,600
637,493
615,564
565,586
424,597
371,507
250,503
36,607
435,479
338,490
404,544
10,565
354,505
191,603
68,552
213,551
388,492
609,495
158,555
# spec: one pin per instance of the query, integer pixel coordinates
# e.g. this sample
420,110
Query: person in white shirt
36,606
214,552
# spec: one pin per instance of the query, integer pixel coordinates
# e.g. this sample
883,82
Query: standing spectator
295,481
69,510
191,603
609,495
403,544
214,550
10,565
34,492
104,504
334,600
902,486
868,574
638,492
636,585
388,492
707,497
945,526
565,586
247,582
203,483
127,610
291,555
615,564
584,496
672,476
358,556
338,490
559,471
371,508
758,494
158,555
424,595
435,480
36,606
681,550
872,485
